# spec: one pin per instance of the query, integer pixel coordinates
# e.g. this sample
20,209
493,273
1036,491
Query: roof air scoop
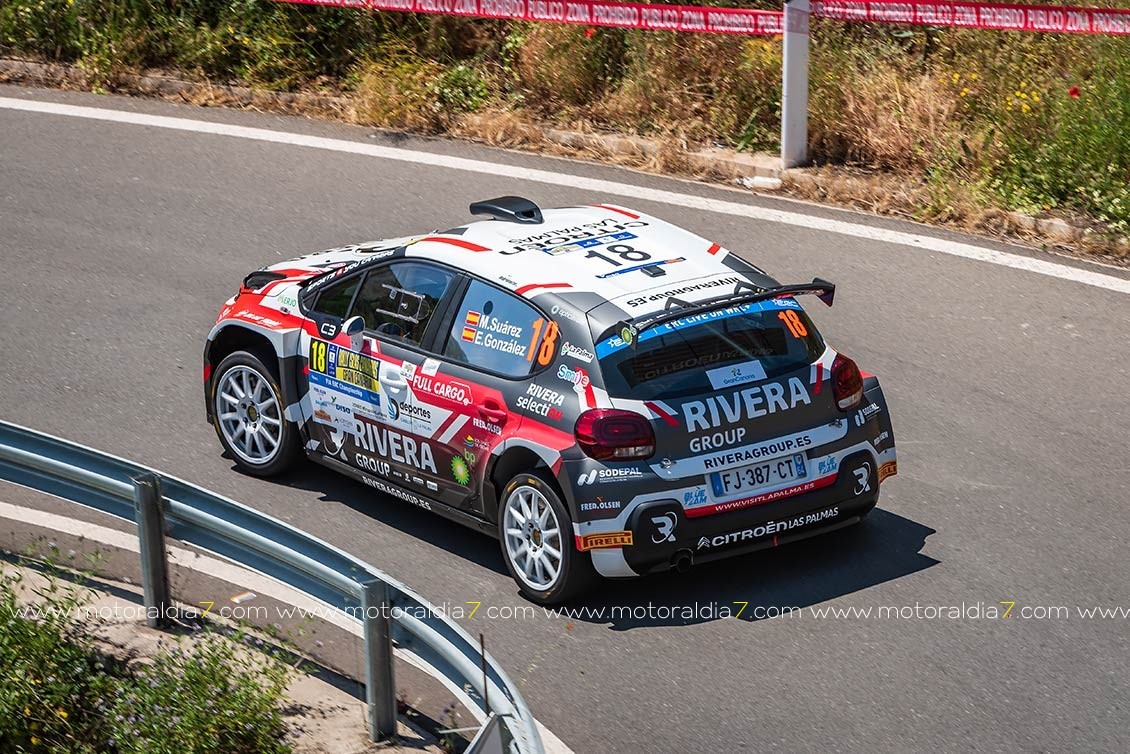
511,209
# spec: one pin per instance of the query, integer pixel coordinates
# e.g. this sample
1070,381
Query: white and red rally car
602,391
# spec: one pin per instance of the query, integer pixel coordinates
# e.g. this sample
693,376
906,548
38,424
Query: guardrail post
380,685
154,562
794,85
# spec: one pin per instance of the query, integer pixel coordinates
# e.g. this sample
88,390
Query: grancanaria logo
460,470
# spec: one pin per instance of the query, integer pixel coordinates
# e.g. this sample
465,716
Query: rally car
602,391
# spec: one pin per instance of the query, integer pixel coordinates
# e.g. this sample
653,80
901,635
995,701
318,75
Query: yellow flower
1025,108
973,76
1035,97
964,91
27,711
956,77
1018,94
1023,85
34,741
62,713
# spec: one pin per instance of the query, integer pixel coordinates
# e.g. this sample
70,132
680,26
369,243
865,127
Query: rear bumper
662,533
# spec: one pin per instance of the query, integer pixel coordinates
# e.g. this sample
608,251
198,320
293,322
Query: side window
398,300
499,332
335,299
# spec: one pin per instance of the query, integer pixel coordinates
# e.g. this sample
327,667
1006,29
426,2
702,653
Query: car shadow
765,584
884,547
429,527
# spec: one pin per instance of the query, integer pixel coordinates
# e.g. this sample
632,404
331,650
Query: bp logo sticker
460,470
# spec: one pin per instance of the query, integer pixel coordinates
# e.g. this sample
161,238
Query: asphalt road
1007,390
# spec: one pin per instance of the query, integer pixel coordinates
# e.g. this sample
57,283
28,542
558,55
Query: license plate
758,475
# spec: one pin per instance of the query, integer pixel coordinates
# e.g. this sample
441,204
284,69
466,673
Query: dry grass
558,67
885,119
398,93
504,128
696,87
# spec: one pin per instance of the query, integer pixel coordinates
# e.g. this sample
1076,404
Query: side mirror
354,327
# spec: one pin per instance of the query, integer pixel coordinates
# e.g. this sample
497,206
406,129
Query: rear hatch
729,389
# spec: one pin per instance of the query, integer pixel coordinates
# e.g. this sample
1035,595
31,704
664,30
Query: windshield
708,352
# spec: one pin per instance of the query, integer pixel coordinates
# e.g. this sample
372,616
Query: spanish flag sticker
469,326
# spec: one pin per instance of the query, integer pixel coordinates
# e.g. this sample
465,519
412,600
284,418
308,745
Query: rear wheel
537,542
247,409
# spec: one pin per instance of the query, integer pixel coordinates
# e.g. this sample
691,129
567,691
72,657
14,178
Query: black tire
288,447
575,573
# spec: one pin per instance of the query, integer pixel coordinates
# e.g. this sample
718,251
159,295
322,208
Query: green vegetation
981,119
59,694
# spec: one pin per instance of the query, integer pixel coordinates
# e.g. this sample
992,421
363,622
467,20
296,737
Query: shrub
699,86
216,696
53,685
564,65
58,693
459,89
1068,144
399,91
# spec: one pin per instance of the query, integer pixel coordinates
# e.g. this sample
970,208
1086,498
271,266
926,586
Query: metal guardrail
163,504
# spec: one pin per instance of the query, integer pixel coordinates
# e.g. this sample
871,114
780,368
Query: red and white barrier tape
587,12
1003,17
971,15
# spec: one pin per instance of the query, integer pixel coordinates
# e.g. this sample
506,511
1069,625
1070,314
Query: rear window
706,353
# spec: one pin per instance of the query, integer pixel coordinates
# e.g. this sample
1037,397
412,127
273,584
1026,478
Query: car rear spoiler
743,293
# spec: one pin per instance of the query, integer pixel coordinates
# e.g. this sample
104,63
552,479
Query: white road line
595,185
240,576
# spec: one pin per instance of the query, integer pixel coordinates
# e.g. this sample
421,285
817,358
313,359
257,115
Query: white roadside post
794,89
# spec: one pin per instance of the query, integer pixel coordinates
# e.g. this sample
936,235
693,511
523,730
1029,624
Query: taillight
847,383
609,434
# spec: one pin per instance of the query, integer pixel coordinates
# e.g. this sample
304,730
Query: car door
421,409
493,341
364,411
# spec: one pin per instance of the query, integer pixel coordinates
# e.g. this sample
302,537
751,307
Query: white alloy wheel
532,538
248,414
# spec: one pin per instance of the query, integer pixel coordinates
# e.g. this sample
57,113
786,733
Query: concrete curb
760,170
1053,230
14,70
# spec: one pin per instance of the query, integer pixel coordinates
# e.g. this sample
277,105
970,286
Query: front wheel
248,413
537,542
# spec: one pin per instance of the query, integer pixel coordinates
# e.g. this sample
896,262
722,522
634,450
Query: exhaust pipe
682,560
